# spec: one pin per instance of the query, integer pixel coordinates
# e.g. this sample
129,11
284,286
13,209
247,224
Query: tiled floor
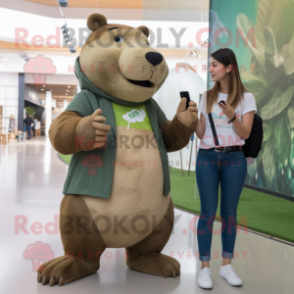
31,181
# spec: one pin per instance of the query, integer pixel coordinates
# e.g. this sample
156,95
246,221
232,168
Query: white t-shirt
37,125
227,136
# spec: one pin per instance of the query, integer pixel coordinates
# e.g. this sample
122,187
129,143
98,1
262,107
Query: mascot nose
153,57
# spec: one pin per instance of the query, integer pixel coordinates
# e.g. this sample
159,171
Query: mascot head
118,60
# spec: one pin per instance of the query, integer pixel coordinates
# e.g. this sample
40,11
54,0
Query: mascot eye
118,39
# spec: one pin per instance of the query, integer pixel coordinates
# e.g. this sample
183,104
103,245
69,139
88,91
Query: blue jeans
29,132
230,169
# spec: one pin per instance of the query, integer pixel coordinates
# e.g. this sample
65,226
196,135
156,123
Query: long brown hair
226,57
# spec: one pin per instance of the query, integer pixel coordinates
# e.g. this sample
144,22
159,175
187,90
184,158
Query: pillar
48,111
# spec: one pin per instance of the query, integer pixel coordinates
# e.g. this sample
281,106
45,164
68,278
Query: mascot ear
144,29
96,21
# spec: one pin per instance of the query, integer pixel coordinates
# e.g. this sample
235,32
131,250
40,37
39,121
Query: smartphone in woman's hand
222,102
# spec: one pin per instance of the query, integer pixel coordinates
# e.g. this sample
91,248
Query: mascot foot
65,269
155,264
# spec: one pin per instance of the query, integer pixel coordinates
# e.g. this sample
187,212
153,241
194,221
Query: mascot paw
65,269
155,264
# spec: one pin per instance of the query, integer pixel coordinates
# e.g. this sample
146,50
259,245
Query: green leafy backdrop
269,63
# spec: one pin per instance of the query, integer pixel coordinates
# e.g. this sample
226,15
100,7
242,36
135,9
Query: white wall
64,65
32,95
48,110
195,63
56,79
12,21
9,97
168,98
196,83
56,111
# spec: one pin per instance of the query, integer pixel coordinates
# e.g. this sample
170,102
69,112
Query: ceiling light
66,94
67,90
43,85
68,86
42,89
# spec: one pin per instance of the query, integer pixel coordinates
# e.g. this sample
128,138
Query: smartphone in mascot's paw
186,95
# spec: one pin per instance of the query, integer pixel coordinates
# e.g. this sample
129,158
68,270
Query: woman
216,164
12,128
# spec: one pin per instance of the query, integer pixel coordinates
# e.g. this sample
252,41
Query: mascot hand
92,128
101,130
189,116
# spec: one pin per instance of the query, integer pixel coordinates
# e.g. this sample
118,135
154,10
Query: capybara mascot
117,190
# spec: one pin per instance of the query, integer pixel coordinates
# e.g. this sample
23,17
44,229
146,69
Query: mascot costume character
117,190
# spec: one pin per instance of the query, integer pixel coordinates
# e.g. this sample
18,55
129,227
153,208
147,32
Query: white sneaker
227,272
204,279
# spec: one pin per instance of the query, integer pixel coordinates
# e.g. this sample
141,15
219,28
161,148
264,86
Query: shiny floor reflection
31,181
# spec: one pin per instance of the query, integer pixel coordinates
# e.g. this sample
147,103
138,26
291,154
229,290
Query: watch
232,118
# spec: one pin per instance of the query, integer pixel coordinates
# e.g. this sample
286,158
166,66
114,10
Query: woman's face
217,70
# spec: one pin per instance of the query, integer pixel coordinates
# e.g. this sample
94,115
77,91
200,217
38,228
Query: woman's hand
227,110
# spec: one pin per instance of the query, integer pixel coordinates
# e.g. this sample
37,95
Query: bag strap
213,129
241,107
213,126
